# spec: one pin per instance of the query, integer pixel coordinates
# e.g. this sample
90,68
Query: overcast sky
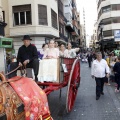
90,8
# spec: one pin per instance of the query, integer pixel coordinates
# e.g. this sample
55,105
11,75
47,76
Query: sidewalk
86,107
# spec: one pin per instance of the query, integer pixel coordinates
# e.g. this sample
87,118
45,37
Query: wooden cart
71,79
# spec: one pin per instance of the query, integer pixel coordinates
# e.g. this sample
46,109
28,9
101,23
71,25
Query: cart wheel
73,85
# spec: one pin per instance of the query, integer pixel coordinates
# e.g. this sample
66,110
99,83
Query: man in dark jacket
27,56
89,58
116,70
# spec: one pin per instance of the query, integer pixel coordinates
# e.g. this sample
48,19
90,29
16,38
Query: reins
4,79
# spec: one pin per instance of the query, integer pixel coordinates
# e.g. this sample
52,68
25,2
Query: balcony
75,33
74,22
60,11
61,15
69,24
63,37
74,11
74,3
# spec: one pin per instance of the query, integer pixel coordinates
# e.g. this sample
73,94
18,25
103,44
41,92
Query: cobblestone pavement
86,107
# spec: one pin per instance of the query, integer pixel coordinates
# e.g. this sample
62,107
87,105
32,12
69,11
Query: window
22,15
16,18
60,6
107,21
3,12
54,19
42,15
107,33
106,9
116,20
61,28
116,7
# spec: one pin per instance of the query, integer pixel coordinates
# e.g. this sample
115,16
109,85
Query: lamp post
101,26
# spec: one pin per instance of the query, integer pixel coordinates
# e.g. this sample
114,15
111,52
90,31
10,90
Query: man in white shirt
98,71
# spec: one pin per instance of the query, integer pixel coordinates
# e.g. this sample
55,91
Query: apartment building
42,20
37,18
109,15
94,37
78,39
70,13
82,36
62,23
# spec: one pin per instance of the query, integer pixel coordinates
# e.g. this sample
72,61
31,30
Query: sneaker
116,90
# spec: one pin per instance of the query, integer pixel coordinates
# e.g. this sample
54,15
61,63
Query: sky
90,7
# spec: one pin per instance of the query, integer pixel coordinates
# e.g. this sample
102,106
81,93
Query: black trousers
89,63
117,79
33,64
99,86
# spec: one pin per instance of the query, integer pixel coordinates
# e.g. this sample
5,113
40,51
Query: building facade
109,15
70,13
37,18
78,39
41,19
62,23
94,37
2,22
82,36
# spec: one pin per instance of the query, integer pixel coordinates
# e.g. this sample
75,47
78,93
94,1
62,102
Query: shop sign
117,35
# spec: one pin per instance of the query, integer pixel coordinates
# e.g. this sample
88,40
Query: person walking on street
89,58
98,71
116,70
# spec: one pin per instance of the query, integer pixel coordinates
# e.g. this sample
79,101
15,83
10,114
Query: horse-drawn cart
68,75
65,71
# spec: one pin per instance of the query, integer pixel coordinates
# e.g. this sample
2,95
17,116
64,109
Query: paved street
86,107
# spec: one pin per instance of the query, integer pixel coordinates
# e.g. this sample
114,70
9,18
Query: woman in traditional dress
51,52
71,53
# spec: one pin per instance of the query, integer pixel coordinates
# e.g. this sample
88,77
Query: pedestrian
89,58
27,56
98,71
116,70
